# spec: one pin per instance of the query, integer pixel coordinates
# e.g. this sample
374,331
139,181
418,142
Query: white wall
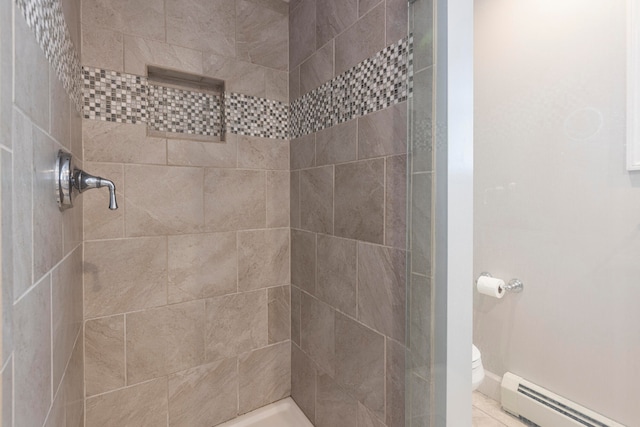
554,203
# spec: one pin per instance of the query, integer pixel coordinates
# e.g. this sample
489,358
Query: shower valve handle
71,180
84,181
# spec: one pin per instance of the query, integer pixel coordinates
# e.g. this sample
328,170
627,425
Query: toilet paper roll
491,286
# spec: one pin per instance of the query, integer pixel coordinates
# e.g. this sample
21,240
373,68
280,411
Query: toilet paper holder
515,285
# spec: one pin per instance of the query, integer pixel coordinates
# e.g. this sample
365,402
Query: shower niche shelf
185,106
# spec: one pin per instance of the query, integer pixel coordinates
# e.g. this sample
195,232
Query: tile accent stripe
248,115
127,98
114,96
376,83
46,19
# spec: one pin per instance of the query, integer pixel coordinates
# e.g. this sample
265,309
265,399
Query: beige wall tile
263,153
278,198
276,85
361,40
47,218
264,376
295,314
104,354
56,416
239,76
423,29
383,133
294,203
366,418
143,405
395,227
316,199
6,275
140,52
303,260
234,199
337,144
303,152
262,31
102,48
337,273
76,134
236,324
293,4
397,22
334,406
124,275
420,237
121,143
60,118
294,84
204,25
333,17
365,6
395,383
204,396
359,200
72,225
318,69
318,333
164,340
6,380
422,117
360,363
303,382
31,71
66,308
202,266
420,325
419,391
32,364
302,35
71,11
279,314
197,153
22,207
144,18
6,70
73,385
99,221
381,289
147,211
263,259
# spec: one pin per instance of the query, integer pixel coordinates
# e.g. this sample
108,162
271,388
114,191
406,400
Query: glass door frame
453,213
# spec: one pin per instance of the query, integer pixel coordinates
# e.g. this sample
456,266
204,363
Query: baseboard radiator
544,408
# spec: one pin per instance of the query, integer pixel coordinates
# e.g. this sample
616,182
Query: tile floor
488,413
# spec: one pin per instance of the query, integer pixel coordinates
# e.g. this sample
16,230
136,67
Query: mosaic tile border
46,18
376,83
127,98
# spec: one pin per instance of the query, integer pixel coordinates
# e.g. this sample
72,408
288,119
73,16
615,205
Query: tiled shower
260,248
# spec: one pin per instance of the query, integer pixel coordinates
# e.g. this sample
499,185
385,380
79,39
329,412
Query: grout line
384,199
124,346
385,373
357,280
51,334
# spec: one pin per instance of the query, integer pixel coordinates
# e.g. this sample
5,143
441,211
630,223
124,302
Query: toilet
477,370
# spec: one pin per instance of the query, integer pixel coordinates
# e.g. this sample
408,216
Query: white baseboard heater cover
544,408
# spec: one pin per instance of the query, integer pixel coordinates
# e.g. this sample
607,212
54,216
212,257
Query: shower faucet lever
84,181
70,180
